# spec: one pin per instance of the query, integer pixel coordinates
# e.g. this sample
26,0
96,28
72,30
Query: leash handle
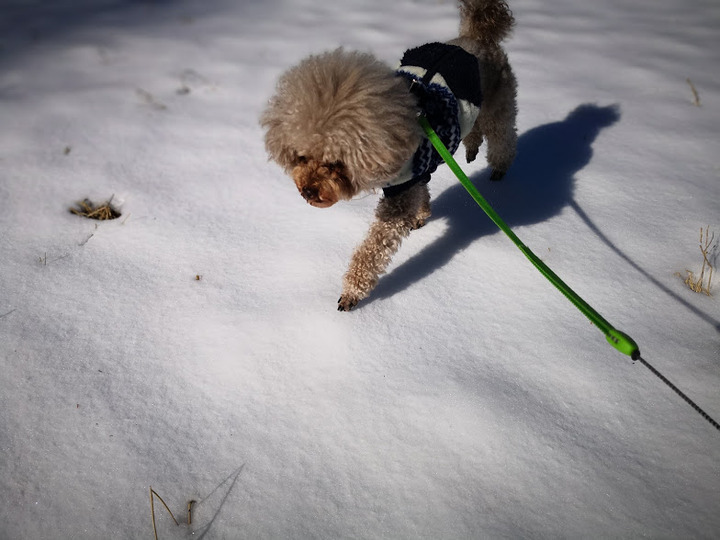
620,341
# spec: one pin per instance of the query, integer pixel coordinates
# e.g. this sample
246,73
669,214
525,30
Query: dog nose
309,194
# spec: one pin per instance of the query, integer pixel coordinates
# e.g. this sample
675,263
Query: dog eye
301,160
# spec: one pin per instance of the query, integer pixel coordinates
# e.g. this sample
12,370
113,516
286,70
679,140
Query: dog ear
275,145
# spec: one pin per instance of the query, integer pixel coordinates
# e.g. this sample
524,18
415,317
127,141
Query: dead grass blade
102,212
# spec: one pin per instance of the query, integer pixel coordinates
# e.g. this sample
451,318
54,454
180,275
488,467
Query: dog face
340,123
322,184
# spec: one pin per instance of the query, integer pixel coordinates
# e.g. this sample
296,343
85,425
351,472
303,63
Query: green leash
622,342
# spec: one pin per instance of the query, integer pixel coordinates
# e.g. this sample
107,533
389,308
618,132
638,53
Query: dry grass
153,494
150,100
707,247
696,95
101,212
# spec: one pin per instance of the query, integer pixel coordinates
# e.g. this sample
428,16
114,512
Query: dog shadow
537,186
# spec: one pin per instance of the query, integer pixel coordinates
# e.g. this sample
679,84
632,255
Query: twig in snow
8,313
696,96
152,510
81,244
44,259
149,99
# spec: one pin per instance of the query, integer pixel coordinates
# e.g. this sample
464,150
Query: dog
341,123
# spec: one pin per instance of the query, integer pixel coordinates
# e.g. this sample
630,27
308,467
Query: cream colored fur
342,122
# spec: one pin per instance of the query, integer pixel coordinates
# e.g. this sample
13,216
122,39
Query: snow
465,399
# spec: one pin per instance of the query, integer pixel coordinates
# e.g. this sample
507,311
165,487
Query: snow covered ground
466,399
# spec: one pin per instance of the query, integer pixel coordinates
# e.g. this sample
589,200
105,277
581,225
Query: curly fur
342,122
343,107
486,21
395,217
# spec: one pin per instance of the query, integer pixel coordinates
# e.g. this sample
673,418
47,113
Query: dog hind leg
497,118
473,141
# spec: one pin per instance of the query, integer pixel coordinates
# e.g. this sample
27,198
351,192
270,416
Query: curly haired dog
343,122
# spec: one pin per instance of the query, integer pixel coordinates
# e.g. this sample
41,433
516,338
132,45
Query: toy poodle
341,123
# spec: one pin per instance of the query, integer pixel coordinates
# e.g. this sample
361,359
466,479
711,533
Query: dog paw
347,302
497,175
470,155
417,224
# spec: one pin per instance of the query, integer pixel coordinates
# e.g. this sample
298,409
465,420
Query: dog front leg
369,261
395,218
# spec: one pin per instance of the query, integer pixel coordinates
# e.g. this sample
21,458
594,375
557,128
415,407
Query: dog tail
486,21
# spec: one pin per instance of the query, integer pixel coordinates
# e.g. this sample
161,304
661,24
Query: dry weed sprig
45,261
707,245
189,508
149,99
696,96
101,212
153,494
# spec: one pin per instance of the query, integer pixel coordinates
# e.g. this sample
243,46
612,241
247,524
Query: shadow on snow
537,186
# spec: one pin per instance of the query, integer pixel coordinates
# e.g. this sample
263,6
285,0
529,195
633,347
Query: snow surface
466,399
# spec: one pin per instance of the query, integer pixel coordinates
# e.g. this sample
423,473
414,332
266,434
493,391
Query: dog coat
446,81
